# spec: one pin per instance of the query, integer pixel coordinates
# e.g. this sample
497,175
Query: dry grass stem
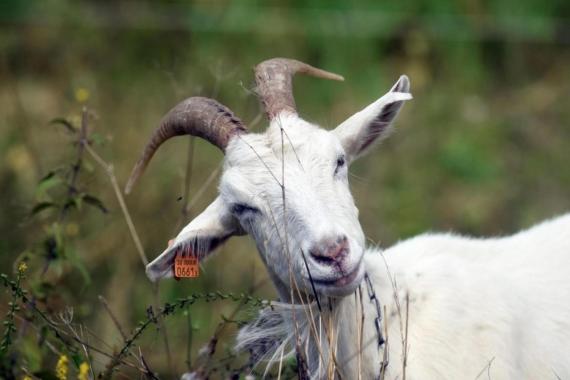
113,317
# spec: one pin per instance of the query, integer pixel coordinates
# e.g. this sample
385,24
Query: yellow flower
81,95
83,371
27,378
61,368
22,267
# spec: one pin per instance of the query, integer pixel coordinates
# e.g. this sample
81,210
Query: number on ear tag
186,267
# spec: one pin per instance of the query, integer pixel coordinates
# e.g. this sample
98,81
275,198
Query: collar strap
378,320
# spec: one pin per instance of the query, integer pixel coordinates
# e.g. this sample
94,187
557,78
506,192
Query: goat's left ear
360,131
199,238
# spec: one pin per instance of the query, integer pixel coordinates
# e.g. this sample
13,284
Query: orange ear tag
186,267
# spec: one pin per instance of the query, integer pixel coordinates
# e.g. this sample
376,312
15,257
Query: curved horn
274,83
196,116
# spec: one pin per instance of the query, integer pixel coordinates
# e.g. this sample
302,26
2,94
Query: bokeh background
483,149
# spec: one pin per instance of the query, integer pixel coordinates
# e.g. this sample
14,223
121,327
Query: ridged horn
196,116
274,83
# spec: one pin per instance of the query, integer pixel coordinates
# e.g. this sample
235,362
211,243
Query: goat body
462,307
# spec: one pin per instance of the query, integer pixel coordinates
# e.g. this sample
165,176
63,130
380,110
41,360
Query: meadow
482,149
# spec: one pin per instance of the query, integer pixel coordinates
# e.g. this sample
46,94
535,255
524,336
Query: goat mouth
344,280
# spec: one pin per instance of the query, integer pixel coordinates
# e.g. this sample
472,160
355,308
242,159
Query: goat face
288,189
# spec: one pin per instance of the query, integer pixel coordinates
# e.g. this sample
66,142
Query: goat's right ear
371,125
199,238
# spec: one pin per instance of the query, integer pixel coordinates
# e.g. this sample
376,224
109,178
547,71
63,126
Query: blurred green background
483,149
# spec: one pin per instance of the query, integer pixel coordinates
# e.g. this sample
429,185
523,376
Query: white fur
497,307
477,301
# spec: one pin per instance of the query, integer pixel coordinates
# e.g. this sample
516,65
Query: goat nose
330,251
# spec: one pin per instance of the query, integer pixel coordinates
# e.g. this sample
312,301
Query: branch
110,170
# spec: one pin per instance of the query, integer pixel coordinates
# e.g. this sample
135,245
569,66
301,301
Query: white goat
432,307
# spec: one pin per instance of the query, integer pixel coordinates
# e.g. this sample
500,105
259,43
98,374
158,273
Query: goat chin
460,306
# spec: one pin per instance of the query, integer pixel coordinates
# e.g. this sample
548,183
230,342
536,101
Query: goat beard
281,329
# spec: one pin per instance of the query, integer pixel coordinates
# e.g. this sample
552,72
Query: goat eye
340,162
240,209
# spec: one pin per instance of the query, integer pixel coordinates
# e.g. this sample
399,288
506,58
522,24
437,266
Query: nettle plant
287,187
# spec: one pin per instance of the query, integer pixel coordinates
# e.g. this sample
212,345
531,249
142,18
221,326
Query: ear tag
186,266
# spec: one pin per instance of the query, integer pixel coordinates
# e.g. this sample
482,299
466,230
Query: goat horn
196,116
274,83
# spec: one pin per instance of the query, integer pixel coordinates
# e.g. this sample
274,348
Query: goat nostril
329,253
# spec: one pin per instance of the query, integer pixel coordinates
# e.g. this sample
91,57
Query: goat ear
360,131
200,237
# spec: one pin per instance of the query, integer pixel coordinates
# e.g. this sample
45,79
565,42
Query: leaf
77,359
97,139
95,202
65,123
50,174
41,207
47,183
73,202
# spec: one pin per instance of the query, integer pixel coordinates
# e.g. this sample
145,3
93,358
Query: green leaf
65,123
77,359
73,202
41,207
48,182
50,174
97,139
95,202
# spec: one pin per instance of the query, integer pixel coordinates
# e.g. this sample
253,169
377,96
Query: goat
432,307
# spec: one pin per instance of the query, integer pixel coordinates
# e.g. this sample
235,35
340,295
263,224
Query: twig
109,169
486,368
148,372
302,369
312,282
162,326
171,308
52,325
204,187
67,321
184,212
189,342
113,317
90,359
405,353
219,329
280,363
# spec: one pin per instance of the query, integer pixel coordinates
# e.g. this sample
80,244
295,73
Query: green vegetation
482,149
